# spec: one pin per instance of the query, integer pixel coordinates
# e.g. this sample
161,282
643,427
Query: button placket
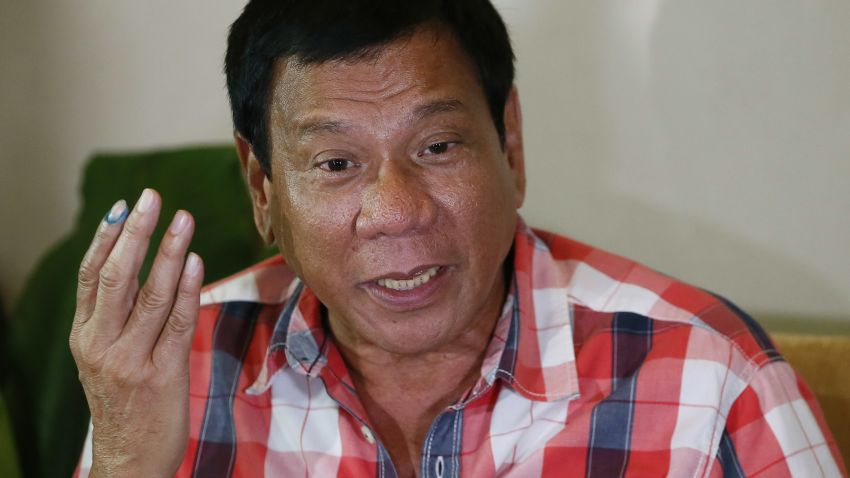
441,450
439,467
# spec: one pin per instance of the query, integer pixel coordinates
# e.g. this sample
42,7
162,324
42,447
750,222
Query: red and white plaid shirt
598,367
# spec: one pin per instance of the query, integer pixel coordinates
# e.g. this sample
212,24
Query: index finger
121,269
89,274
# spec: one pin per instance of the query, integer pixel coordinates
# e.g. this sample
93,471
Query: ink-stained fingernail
145,201
118,213
179,223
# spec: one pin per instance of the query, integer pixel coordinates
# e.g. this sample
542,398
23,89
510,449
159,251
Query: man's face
391,195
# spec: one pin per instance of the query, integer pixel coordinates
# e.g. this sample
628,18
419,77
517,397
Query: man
414,325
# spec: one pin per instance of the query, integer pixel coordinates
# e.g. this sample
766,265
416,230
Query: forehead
425,65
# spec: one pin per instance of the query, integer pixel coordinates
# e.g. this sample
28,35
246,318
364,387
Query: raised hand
132,345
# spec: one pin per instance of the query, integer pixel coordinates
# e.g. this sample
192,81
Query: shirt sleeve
776,428
84,465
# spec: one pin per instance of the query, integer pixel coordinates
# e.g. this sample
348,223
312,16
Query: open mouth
407,291
409,284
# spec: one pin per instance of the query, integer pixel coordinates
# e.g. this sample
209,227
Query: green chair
44,397
8,453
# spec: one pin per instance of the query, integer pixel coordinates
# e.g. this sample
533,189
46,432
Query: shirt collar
538,356
531,349
298,340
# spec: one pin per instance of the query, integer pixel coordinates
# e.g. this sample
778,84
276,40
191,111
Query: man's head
316,31
389,188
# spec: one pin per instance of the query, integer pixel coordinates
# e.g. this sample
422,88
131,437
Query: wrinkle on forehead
302,91
305,86
309,96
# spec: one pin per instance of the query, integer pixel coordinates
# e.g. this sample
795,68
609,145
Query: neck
403,393
459,355
370,362
434,371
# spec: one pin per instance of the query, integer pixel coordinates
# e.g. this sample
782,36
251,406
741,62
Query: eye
441,147
438,148
336,165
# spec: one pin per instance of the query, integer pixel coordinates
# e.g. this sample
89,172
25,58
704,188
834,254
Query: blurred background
709,140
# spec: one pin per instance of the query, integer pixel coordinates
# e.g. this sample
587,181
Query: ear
513,143
259,187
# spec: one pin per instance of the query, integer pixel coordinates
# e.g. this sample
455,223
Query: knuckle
87,276
73,345
74,337
170,249
89,350
187,298
122,374
183,314
179,324
111,278
152,299
86,357
134,228
82,312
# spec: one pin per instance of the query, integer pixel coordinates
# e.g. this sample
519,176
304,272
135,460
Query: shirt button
367,434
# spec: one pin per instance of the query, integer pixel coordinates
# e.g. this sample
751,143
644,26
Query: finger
121,269
156,297
175,341
104,239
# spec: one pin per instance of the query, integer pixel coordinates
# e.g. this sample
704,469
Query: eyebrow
310,128
448,105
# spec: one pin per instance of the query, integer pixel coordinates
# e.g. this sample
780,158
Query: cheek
314,230
480,199
283,232
484,214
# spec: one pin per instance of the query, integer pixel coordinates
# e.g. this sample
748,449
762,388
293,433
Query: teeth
409,284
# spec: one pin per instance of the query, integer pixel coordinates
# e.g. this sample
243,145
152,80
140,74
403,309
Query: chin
412,338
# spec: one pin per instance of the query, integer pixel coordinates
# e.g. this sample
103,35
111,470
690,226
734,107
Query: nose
396,203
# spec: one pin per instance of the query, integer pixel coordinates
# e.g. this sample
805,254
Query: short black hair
316,31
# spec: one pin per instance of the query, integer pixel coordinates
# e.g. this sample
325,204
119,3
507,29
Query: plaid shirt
597,367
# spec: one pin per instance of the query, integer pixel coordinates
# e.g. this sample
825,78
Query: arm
776,428
131,345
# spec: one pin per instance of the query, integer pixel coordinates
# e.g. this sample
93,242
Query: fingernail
145,201
179,223
118,213
193,264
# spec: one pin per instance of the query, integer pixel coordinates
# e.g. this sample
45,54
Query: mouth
417,280
408,291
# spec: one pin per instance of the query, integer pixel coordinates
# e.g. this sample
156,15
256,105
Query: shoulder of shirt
600,283
267,283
